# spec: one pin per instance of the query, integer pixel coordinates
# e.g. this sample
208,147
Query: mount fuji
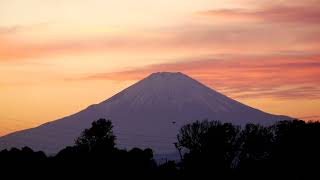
146,114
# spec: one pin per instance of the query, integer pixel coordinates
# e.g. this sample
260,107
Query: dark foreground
285,150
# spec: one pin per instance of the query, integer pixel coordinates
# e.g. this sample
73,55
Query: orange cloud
180,40
312,117
15,49
285,77
306,13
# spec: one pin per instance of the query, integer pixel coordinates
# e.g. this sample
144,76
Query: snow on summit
143,115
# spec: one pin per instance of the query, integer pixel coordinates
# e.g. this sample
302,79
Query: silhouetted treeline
287,149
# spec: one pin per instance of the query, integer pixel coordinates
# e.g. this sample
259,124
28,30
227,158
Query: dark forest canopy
287,149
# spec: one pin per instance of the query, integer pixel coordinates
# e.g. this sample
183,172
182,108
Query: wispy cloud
182,38
311,117
199,39
306,13
18,28
286,77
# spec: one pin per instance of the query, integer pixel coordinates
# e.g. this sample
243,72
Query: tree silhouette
211,147
255,145
24,161
285,150
98,138
296,149
94,151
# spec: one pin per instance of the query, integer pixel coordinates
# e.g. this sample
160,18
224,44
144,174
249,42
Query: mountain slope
147,114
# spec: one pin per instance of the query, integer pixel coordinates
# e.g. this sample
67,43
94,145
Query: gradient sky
57,57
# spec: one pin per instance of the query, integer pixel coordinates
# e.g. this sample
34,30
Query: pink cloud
285,77
307,13
179,40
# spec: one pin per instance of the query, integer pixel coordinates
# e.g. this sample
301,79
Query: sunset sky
58,57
